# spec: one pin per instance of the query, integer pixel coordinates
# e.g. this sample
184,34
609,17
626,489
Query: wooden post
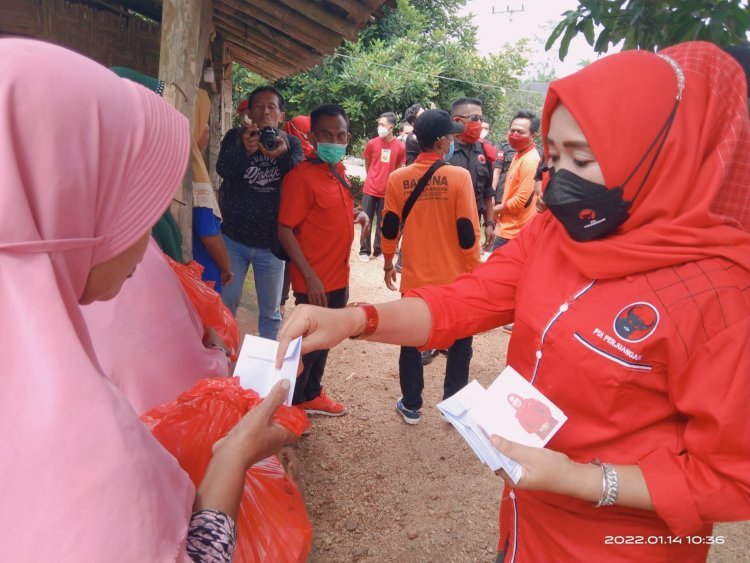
221,106
184,32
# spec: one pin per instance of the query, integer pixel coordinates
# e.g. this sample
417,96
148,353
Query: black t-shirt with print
251,189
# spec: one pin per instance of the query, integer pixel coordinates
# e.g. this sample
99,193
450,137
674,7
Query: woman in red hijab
300,128
631,303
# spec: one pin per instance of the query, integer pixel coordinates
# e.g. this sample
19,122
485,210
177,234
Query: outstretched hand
321,328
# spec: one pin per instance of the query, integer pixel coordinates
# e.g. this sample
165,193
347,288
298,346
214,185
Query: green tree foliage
419,52
647,24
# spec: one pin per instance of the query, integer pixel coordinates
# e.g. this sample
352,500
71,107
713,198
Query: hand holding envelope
255,365
499,421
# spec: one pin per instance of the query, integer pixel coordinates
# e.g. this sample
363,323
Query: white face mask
382,131
483,134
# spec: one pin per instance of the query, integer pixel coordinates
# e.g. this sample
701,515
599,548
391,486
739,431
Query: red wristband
371,319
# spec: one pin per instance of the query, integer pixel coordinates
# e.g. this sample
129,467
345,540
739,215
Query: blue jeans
268,272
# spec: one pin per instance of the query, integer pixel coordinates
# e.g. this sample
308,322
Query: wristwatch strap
371,319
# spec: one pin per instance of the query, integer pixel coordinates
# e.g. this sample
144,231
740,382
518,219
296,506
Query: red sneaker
323,404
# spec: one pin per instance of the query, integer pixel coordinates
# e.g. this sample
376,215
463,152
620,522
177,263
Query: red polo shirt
321,213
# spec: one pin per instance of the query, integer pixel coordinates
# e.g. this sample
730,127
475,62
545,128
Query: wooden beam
289,23
233,10
252,64
358,11
290,62
149,8
313,12
258,60
250,41
285,63
256,65
226,19
180,66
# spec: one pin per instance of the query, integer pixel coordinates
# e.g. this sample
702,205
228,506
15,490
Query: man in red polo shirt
383,154
316,229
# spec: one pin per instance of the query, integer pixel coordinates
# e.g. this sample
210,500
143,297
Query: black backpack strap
332,168
419,188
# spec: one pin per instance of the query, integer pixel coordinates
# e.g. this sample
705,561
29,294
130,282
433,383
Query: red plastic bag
271,526
208,303
272,523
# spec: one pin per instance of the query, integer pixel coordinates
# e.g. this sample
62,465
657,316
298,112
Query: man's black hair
410,115
534,122
390,116
463,102
267,88
331,110
426,144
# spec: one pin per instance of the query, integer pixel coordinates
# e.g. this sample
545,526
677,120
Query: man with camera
253,160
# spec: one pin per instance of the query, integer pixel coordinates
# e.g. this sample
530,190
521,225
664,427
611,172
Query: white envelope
256,365
458,410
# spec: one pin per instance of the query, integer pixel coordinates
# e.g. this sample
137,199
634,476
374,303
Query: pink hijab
149,339
82,478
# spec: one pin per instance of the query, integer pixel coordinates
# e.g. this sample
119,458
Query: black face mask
589,210
586,209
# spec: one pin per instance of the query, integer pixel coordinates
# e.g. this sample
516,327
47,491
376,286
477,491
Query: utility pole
509,11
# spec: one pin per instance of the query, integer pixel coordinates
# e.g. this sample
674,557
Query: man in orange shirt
516,209
440,241
316,230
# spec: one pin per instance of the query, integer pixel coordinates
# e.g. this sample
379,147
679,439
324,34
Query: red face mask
472,130
518,142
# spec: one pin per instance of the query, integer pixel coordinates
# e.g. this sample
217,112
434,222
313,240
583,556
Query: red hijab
696,202
300,128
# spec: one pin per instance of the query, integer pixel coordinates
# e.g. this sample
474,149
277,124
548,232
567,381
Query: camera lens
268,138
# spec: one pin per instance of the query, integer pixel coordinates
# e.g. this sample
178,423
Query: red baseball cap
242,105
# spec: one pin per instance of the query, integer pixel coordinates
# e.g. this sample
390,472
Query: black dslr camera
268,138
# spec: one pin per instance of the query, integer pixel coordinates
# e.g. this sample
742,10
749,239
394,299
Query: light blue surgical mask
331,152
447,156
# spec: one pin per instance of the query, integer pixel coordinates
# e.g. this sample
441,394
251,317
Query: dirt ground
378,490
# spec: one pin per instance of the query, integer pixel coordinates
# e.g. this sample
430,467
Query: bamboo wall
110,38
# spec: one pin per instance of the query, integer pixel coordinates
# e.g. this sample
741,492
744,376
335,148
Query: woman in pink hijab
82,478
149,340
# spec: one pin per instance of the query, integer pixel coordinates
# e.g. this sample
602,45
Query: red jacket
653,370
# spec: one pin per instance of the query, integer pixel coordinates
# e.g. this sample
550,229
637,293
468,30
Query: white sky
535,23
